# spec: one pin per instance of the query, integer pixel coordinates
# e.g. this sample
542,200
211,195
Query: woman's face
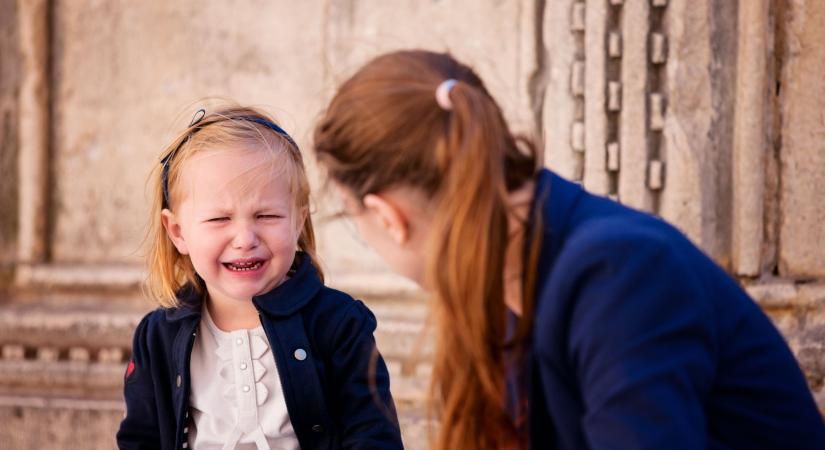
394,224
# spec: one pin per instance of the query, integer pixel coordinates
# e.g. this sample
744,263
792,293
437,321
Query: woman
563,320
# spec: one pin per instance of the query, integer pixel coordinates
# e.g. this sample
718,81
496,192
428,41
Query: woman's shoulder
628,260
625,236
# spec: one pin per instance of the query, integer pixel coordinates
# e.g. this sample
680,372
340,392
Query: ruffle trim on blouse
258,348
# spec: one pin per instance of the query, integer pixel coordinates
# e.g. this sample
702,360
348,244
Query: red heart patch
130,369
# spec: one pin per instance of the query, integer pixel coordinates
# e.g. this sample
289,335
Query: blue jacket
337,397
640,341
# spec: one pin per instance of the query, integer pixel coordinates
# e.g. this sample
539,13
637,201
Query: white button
243,366
178,381
245,388
300,354
239,341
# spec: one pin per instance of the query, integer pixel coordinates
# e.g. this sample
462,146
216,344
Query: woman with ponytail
562,319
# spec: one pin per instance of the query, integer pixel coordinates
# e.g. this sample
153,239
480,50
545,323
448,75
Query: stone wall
9,81
708,113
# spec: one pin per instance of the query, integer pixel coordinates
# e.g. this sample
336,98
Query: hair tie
442,94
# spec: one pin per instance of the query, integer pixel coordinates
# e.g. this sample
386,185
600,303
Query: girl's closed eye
270,216
217,219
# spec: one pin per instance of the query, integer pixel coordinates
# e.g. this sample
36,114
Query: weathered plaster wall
709,113
802,155
128,75
9,86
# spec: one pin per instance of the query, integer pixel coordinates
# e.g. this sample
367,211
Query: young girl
249,349
563,320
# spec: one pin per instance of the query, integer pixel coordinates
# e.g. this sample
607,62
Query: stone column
10,62
33,131
750,138
802,158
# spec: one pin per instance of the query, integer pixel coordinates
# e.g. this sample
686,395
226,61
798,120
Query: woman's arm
640,343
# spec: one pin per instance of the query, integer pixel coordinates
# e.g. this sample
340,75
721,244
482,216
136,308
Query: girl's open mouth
244,265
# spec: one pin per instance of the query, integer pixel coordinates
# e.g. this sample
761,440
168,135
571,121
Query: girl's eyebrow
216,212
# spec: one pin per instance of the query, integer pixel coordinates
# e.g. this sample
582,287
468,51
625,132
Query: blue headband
199,115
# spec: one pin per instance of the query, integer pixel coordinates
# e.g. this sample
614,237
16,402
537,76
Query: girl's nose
245,238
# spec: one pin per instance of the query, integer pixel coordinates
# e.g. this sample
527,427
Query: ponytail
467,262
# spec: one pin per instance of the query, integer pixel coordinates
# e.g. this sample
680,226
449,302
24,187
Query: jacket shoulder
334,313
153,329
334,305
624,235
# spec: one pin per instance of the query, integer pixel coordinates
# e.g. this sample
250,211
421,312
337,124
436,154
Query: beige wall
127,75
709,113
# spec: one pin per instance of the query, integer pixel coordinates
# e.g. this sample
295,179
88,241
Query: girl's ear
389,217
173,230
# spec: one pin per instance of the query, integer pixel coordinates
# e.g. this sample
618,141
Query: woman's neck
519,203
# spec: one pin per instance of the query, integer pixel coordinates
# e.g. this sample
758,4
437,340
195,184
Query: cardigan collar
283,300
555,199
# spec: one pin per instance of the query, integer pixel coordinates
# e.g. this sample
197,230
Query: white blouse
236,400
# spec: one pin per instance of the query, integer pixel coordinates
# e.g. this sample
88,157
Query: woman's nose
245,238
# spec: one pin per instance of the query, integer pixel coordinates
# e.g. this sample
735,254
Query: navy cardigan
640,341
337,397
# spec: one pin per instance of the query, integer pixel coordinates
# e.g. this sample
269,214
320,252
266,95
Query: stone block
802,96
595,119
750,147
633,133
504,54
776,295
564,82
689,114
58,423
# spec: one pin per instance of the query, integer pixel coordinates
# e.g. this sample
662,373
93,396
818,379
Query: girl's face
236,221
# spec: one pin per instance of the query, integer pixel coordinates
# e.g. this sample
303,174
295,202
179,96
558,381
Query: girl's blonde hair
228,127
384,128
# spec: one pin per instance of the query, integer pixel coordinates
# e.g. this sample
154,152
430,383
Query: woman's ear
389,216
173,230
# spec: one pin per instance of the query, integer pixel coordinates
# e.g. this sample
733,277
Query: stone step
79,348
63,355
36,422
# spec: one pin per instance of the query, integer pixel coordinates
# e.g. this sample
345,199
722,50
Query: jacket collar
190,301
284,300
556,199
294,293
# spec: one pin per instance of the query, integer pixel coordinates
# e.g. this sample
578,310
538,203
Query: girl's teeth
241,267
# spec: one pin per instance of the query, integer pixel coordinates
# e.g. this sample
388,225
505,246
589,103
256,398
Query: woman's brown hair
384,129
225,128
